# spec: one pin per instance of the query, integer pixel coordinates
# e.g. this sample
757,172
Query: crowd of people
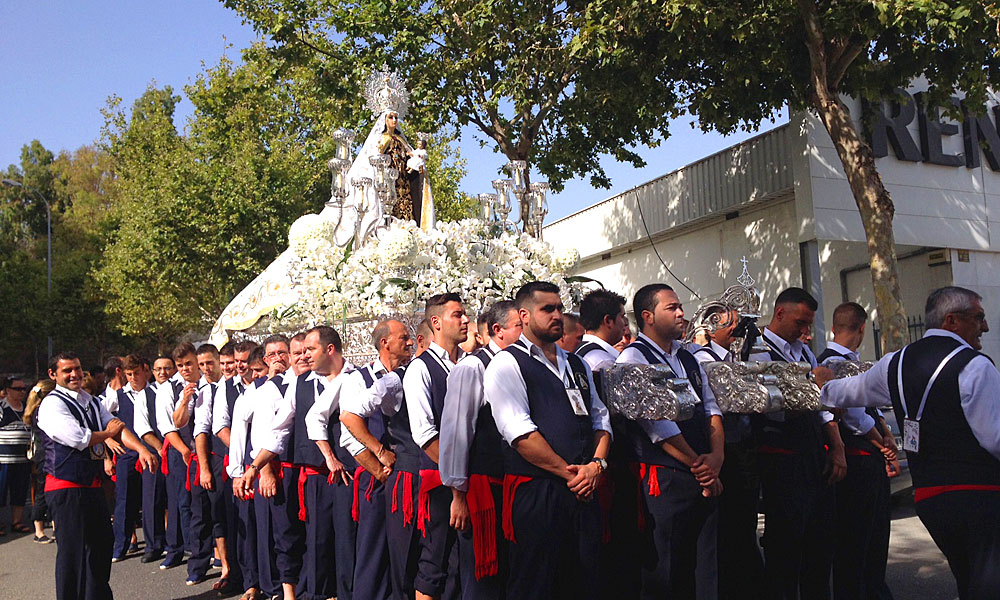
477,460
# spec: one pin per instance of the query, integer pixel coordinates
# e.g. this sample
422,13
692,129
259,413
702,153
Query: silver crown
385,91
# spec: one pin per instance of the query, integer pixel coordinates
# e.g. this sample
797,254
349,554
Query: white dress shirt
254,406
663,429
599,358
507,393
109,398
140,424
166,403
56,420
792,352
202,413
978,388
317,419
274,412
703,356
463,402
855,419
417,391
385,395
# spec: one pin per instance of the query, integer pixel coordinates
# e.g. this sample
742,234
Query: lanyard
661,356
930,383
438,360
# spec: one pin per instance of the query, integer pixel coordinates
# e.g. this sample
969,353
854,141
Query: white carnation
397,247
308,233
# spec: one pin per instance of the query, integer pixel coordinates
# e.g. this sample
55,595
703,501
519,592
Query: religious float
376,251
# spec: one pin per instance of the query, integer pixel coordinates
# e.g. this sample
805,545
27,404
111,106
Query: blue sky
59,62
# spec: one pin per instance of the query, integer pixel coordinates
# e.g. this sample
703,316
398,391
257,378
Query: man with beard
546,407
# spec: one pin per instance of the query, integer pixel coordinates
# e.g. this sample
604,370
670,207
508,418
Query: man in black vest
740,561
128,480
424,386
471,462
797,472
366,437
154,484
328,493
946,392
546,407
681,460
862,538
74,427
178,392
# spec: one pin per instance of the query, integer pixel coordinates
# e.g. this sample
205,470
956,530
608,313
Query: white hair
947,300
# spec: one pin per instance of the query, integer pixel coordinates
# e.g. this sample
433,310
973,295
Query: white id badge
911,435
576,401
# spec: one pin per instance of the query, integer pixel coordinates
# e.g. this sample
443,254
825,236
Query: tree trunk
872,198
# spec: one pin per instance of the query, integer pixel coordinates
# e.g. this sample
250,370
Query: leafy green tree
540,80
740,61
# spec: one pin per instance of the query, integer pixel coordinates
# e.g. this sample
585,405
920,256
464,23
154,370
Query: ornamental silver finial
385,91
745,279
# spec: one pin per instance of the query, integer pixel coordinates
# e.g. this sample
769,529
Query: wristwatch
601,463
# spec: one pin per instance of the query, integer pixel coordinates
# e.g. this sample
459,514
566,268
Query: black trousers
557,547
245,541
437,566
205,522
862,538
798,537
371,569
621,558
401,533
128,498
741,566
154,509
965,525
178,507
83,553
280,534
330,535
680,560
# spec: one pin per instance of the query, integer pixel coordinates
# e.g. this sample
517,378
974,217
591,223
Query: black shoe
152,557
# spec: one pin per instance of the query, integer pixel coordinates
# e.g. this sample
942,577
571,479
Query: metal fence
914,331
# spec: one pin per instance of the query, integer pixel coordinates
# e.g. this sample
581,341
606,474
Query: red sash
197,472
483,513
510,485
52,484
430,479
924,493
356,503
114,461
407,479
225,467
164,465
305,472
856,452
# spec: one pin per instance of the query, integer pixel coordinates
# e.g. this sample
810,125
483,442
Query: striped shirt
15,436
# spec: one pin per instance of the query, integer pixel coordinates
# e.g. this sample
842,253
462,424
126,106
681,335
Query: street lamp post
48,233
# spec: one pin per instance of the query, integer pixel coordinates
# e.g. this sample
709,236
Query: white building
782,200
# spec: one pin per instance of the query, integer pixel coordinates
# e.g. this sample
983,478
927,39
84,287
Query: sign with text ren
980,136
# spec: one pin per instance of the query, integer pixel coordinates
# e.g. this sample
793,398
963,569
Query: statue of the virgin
389,102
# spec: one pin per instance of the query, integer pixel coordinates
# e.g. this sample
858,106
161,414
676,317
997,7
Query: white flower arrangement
308,234
395,272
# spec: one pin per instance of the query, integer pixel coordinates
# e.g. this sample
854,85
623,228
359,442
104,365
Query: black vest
67,463
694,430
230,394
376,422
852,439
571,436
178,389
801,433
304,450
486,450
439,388
288,454
408,454
151,410
126,412
949,453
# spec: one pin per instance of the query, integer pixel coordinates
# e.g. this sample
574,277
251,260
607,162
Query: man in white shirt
178,394
946,391
115,376
471,461
801,457
602,314
75,427
163,369
682,459
154,484
573,332
546,407
363,415
424,386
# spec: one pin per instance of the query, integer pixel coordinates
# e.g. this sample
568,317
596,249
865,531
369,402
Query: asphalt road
916,570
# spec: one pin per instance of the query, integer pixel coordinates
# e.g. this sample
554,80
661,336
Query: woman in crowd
39,508
15,437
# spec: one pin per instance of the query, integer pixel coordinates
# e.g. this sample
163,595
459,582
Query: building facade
782,200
